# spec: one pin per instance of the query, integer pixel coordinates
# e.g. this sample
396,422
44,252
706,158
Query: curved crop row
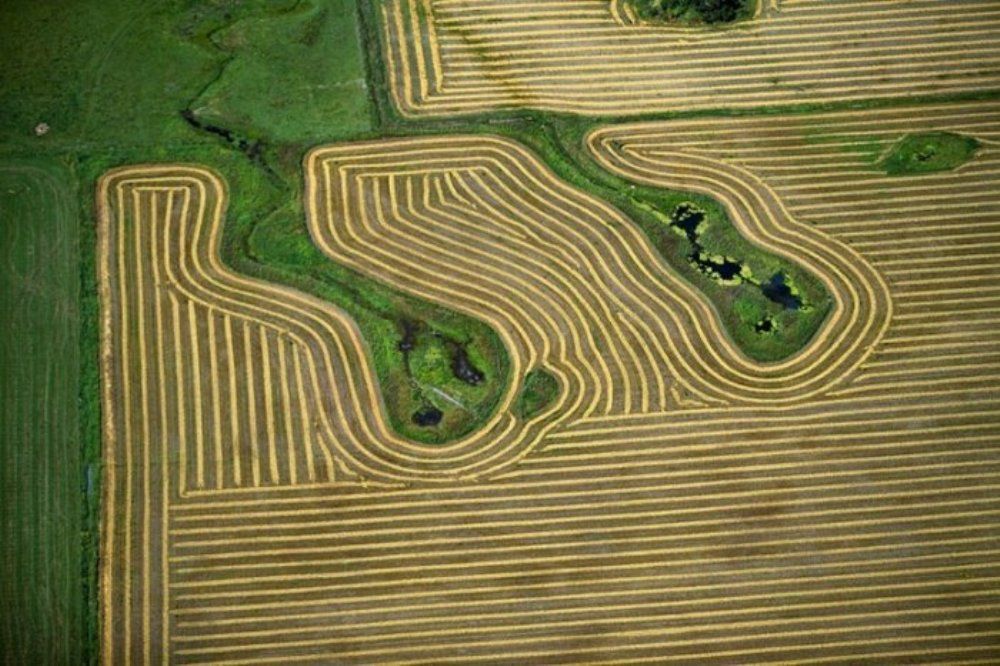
783,515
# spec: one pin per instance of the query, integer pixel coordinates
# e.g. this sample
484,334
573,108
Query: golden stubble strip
638,511
593,57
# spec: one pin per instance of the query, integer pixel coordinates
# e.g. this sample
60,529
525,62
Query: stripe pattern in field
480,224
41,605
858,524
587,56
933,237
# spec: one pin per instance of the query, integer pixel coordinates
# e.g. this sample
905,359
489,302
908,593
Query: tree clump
711,12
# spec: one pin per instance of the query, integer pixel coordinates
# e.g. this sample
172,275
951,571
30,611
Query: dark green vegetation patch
539,390
771,307
711,12
927,152
42,578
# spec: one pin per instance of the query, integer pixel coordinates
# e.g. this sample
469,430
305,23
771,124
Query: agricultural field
671,492
600,57
40,486
503,332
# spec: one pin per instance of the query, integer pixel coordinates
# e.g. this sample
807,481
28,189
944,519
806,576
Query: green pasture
42,486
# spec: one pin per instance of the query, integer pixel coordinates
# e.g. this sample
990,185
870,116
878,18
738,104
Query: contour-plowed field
591,56
677,503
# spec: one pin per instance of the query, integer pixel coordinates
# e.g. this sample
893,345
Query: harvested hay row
459,56
776,513
481,224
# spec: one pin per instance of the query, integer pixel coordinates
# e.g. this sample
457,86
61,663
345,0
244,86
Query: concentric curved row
932,237
476,223
269,381
863,306
480,224
447,57
857,526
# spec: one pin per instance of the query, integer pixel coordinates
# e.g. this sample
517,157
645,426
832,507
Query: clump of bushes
539,390
712,12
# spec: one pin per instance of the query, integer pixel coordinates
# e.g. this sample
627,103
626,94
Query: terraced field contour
677,503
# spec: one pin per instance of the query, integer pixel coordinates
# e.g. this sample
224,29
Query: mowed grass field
165,56
42,579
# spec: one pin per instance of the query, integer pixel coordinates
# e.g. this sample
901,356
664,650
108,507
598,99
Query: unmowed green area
765,328
928,152
907,155
539,390
710,12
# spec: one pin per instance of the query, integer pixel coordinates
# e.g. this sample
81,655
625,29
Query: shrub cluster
693,11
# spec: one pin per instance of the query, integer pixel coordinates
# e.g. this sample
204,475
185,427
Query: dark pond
415,334
687,218
725,269
779,292
462,367
409,339
428,415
